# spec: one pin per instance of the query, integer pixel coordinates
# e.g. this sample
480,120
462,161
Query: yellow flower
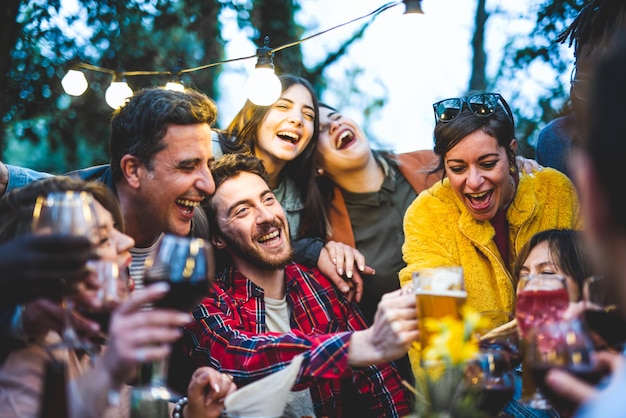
452,340
440,382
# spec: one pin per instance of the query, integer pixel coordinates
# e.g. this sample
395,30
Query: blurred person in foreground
134,334
590,33
597,164
266,309
484,210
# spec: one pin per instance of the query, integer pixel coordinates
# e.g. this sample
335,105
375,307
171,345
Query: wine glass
601,314
187,265
564,345
113,285
541,299
496,330
72,213
490,375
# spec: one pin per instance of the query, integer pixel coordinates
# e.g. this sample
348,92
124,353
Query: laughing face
287,128
478,169
179,180
252,224
342,145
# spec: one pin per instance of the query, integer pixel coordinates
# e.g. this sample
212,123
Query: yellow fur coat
439,231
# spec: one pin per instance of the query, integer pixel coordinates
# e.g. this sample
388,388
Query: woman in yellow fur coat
483,212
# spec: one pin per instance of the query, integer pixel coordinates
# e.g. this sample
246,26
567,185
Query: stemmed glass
187,265
541,299
564,345
490,375
72,213
112,290
601,315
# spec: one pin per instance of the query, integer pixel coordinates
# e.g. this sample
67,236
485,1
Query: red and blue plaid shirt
230,334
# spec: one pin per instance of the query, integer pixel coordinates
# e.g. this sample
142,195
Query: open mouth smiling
480,201
289,136
344,139
270,238
187,205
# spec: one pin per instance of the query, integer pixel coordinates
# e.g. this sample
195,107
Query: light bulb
74,83
117,93
263,86
175,85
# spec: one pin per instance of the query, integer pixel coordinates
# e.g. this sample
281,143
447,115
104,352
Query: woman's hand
337,261
206,393
527,165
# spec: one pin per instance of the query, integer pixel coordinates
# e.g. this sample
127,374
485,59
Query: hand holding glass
439,292
187,265
71,213
562,345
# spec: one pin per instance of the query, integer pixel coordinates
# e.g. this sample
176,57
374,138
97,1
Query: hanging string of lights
263,86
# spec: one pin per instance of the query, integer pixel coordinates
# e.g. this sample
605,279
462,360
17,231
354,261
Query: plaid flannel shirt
230,335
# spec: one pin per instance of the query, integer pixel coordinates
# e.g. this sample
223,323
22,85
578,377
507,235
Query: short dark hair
229,166
138,127
498,125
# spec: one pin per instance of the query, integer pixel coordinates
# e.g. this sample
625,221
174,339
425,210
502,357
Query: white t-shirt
277,316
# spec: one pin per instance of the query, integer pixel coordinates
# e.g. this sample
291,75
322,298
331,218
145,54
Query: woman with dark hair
98,388
284,137
484,210
556,251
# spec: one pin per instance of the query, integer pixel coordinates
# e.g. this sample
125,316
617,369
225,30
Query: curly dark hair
594,24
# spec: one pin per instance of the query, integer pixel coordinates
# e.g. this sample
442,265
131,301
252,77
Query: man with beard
266,309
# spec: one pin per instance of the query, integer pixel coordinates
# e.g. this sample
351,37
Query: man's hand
395,329
206,393
337,261
33,265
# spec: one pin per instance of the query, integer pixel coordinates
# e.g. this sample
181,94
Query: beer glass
439,292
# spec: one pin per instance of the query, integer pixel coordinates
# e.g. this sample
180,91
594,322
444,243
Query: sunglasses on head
482,104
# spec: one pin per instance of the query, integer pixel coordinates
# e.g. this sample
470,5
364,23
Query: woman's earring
320,171
512,169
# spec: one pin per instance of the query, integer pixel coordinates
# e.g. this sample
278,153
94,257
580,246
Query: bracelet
17,324
178,408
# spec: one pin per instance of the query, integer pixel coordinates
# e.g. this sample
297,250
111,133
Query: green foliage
540,47
121,35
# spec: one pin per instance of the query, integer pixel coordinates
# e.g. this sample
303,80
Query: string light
263,87
74,83
117,93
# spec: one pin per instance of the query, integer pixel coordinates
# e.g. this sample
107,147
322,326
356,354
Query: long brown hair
241,136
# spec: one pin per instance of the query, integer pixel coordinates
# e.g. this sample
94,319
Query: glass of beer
439,292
